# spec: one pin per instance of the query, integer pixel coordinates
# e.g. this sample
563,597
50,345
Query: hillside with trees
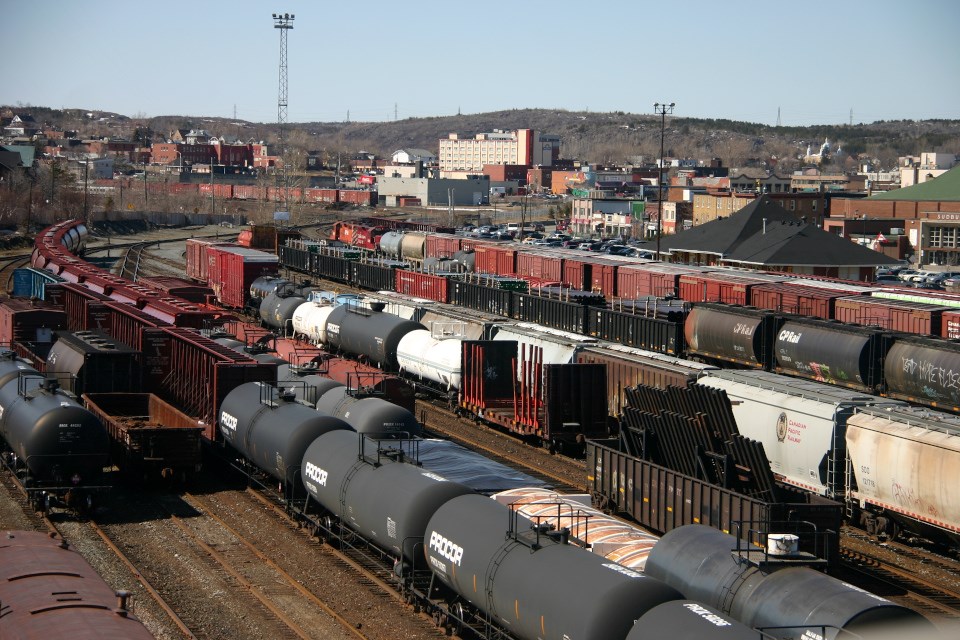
604,138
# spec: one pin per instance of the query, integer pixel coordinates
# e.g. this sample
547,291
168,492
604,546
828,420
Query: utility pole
663,109
86,187
283,23
213,193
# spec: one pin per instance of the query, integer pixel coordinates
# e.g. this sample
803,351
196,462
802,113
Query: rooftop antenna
282,21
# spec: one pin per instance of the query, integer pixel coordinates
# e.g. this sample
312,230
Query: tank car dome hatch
373,417
390,501
270,431
307,385
532,582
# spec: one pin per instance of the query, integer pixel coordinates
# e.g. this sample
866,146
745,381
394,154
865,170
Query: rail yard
245,541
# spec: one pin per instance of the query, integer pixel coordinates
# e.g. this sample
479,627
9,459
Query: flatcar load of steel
457,464
567,294
905,461
653,307
852,288
799,422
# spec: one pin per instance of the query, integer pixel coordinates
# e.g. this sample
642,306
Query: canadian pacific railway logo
782,427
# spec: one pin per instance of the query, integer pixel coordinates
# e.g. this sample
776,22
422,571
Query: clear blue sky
741,60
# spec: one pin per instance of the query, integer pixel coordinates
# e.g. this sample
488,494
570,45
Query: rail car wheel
457,616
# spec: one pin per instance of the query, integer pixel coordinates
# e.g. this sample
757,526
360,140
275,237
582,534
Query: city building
393,191
711,206
520,147
928,166
811,179
411,156
764,235
600,213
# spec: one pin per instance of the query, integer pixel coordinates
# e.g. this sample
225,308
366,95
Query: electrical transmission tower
282,21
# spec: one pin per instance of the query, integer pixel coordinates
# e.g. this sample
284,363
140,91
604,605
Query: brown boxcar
950,324
716,286
788,297
195,374
896,315
544,265
49,591
628,367
29,321
178,287
658,280
149,437
661,499
497,259
442,245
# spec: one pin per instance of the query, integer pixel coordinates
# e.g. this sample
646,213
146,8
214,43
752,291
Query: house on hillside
764,235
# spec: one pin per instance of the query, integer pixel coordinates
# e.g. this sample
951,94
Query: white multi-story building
520,147
929,166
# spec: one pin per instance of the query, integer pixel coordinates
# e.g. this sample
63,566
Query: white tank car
907,460
801,423
310,321
423,356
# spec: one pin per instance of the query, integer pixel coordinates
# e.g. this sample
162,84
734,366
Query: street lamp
663,109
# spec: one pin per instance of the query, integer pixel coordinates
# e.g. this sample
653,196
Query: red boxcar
197,260
790,298
248,192
601,276
896,315
233,269
496,259
442,245
717,286
320,195
354,196
541,265
422,285
658,280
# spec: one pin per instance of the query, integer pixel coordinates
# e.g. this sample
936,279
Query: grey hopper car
369,333
924,371
373,417
388,501
704,565
534,587
271,431
58,440
831,352
277,309
730,334
687,620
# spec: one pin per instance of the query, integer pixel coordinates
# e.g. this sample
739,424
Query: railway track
916,579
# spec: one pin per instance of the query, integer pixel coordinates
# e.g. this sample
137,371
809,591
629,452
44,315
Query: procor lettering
707,615
315,473
445,548
789,336
228,421
333,329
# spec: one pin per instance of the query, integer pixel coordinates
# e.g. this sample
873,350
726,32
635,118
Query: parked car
907,274
888,279
921,276
941,277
